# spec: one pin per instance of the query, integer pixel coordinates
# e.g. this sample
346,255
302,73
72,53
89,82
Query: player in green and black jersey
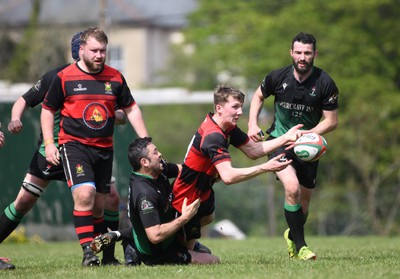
303,94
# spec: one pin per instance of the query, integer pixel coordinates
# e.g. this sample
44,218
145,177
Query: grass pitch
338,257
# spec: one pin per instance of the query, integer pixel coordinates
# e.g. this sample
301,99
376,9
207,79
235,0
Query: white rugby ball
310,147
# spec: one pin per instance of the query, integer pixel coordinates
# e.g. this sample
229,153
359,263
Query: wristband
48,141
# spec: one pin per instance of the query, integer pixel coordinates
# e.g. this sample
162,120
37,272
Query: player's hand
52,154
15,126
188,211
255,133
277,163
293,134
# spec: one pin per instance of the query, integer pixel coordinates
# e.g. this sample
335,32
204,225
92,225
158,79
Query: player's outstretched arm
255,150
230,175
287,139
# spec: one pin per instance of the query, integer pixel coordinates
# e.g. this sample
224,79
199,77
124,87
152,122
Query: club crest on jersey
95,116
312,93
108,88
79,170
146,205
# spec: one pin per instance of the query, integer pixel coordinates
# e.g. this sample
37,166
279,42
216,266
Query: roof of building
161,13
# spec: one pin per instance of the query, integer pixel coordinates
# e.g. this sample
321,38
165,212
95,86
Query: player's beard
156,167
305,69
92,66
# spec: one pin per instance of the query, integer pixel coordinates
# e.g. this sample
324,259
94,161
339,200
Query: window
115,59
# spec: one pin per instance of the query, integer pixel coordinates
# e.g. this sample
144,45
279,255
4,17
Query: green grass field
338,257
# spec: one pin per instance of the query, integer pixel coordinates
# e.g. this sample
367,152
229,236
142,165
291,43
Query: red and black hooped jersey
208,148
88,103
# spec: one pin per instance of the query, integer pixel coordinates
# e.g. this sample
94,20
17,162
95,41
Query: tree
30,57
20,61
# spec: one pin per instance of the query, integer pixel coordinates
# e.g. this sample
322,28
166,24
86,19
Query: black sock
295,220
9,221
111,221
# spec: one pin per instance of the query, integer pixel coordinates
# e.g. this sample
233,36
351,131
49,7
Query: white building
140,31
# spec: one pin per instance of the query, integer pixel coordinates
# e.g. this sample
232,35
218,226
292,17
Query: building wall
131,42
146,53
158,50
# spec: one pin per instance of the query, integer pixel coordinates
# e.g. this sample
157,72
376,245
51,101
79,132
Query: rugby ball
310,147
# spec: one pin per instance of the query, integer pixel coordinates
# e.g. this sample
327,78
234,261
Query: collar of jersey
143,175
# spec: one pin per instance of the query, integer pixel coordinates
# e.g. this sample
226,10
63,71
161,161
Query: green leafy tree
20,62
27,59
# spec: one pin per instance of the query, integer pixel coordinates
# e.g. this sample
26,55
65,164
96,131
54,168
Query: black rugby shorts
85,164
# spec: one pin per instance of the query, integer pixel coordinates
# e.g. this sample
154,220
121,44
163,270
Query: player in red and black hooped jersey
87,104
40,172
208,158
87,94
303,94
209,147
